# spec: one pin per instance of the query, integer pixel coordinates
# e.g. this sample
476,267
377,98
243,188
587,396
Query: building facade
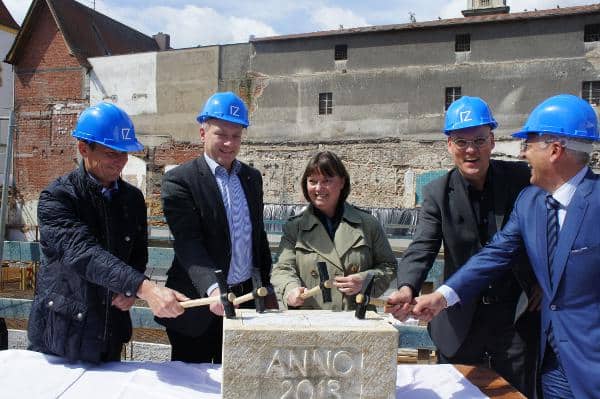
8,30
375,95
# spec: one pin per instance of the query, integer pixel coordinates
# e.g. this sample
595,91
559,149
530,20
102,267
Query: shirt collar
565,193
114,186
213,165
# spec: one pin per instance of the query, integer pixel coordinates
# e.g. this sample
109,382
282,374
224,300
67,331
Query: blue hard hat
108,125
562,115
468,112
225,106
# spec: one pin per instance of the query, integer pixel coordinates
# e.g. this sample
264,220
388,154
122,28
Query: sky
205,22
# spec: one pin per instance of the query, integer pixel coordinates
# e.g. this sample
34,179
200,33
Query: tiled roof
479,19
87,32
6,19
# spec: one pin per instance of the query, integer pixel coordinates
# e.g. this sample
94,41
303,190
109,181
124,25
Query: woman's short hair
327,164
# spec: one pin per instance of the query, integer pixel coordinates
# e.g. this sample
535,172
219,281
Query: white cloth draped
32,375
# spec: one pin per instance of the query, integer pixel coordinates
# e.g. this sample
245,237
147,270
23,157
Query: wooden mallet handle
206,301
262,291
315,290
360,298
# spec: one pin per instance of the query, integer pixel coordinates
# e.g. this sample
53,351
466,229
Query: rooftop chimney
163,40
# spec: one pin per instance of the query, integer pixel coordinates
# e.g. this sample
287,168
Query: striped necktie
552,230
552,236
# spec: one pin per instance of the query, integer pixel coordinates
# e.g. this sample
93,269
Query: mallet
206,301
255,294
324,286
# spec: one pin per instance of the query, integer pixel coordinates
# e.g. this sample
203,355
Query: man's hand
217,307
349,285
428,306
294,298
123,302
402,302
164,302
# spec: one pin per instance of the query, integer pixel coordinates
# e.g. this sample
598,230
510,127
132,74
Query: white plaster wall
6,84
134,173
129,81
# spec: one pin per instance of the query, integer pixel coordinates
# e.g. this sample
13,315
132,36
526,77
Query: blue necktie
552,231
552,236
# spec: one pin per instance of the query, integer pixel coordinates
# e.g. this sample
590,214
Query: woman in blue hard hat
93,239
351,242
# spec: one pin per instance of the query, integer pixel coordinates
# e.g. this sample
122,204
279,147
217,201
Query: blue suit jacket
572,301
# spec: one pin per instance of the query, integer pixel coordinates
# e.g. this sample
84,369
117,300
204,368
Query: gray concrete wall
393,83
388,99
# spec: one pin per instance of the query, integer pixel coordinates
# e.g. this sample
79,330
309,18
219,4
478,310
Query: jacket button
314,274
79,316
354,269
128,294
50,304
553,307
127,238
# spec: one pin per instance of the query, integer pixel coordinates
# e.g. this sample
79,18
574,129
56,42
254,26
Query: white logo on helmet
125,133
234,111
465,116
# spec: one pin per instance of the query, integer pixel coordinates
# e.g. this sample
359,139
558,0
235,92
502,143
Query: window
452,94
590,92
325,103
462,43
341,52
591,33
484,3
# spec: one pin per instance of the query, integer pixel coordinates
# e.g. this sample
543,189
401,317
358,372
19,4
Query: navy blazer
572,302
195,212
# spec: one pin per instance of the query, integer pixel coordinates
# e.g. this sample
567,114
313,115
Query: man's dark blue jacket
92,248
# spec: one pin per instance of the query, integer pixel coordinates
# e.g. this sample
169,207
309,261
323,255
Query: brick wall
49,95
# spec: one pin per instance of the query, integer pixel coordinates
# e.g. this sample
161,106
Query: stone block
314,354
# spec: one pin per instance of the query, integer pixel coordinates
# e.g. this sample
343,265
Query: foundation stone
316,354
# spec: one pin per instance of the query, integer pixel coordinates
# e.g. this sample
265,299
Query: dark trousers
206,348
3,335
494,342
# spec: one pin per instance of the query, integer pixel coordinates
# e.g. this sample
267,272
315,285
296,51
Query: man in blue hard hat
463,210
214,208
93,239
556,221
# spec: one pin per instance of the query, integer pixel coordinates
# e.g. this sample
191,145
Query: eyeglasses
477,142
525,144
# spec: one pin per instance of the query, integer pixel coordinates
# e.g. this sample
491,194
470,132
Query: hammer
226,298
206,301
258,292
363,299
324,286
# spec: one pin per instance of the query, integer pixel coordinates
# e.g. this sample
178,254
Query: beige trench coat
360,244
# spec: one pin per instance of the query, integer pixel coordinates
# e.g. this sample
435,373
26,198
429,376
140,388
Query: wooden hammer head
362,299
